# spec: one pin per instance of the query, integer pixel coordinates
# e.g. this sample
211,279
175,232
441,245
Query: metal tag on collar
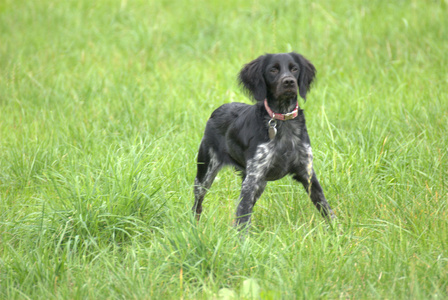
272,128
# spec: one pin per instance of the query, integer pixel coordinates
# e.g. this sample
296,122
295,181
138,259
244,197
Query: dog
265,141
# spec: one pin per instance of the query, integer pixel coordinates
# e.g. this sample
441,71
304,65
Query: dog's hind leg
208,167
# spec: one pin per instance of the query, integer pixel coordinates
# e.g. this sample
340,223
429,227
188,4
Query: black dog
265,141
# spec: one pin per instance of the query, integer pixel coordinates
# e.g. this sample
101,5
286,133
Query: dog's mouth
288,93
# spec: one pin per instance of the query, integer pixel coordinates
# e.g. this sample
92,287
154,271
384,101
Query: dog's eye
294,69
273,70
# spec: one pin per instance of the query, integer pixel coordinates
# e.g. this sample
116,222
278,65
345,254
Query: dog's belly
281,166
275,174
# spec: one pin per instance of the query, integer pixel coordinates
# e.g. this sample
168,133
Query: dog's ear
307,74
252,80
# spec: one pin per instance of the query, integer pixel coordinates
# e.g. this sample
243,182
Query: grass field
102,108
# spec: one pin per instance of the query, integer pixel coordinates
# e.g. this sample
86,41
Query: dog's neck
282,106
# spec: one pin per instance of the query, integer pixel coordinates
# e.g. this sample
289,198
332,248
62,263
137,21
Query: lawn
102,109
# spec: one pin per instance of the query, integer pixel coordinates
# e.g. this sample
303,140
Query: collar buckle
290,116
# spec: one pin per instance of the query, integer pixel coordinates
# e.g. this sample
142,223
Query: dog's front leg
251,190
314,190
253,184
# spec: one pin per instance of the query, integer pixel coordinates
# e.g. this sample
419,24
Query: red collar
282,117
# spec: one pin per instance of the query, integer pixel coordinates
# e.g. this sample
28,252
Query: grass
102,108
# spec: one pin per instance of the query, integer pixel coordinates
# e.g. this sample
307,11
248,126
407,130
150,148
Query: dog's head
277,76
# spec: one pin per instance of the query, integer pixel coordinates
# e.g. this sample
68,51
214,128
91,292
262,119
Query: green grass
102,108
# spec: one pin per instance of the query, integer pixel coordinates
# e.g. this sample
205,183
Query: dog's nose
288,82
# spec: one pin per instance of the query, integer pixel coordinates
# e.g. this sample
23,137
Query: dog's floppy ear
307,74
252,80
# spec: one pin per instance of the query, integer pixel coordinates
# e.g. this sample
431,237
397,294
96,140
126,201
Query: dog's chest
282,156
